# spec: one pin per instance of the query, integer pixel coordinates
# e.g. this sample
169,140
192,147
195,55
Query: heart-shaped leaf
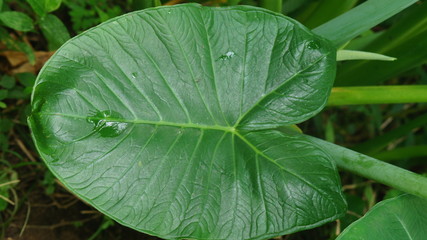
163,120
400,218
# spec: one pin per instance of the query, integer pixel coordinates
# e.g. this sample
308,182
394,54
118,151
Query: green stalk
273,5
378,95
361,18
376,170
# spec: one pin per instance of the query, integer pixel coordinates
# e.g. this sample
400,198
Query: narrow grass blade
361,18
405,40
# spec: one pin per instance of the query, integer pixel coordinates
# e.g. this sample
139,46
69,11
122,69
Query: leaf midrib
232,130
140,121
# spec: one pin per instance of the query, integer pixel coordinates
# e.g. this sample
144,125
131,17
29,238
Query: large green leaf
399,218
163,120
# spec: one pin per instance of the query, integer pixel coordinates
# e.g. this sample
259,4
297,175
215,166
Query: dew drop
134,75
108,123
227,55
313,45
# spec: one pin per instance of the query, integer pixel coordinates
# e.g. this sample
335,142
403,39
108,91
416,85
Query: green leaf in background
360,19
405,40
149,118
54,30
143,4
7,82
28,50
103,16
233,2
14,44
356,206
325,10
27,79
400,218
292,5
3,94
273,5
42,7
52,5
16,20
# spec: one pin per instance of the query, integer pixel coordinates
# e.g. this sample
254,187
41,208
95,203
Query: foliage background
34,205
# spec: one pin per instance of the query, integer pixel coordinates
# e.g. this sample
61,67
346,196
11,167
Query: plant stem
376,170
361,18
273,5
378,95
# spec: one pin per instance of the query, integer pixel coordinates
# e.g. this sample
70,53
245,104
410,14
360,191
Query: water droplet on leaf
108,123
227,56
134,75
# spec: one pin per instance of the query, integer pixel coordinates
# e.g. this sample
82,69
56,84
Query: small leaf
102,15
42,7
27,79
400,218
3,105
25,48
7,82
16,20
343,55
54,30
38,6
52,5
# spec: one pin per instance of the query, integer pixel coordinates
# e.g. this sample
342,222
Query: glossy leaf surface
162,119
399,218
